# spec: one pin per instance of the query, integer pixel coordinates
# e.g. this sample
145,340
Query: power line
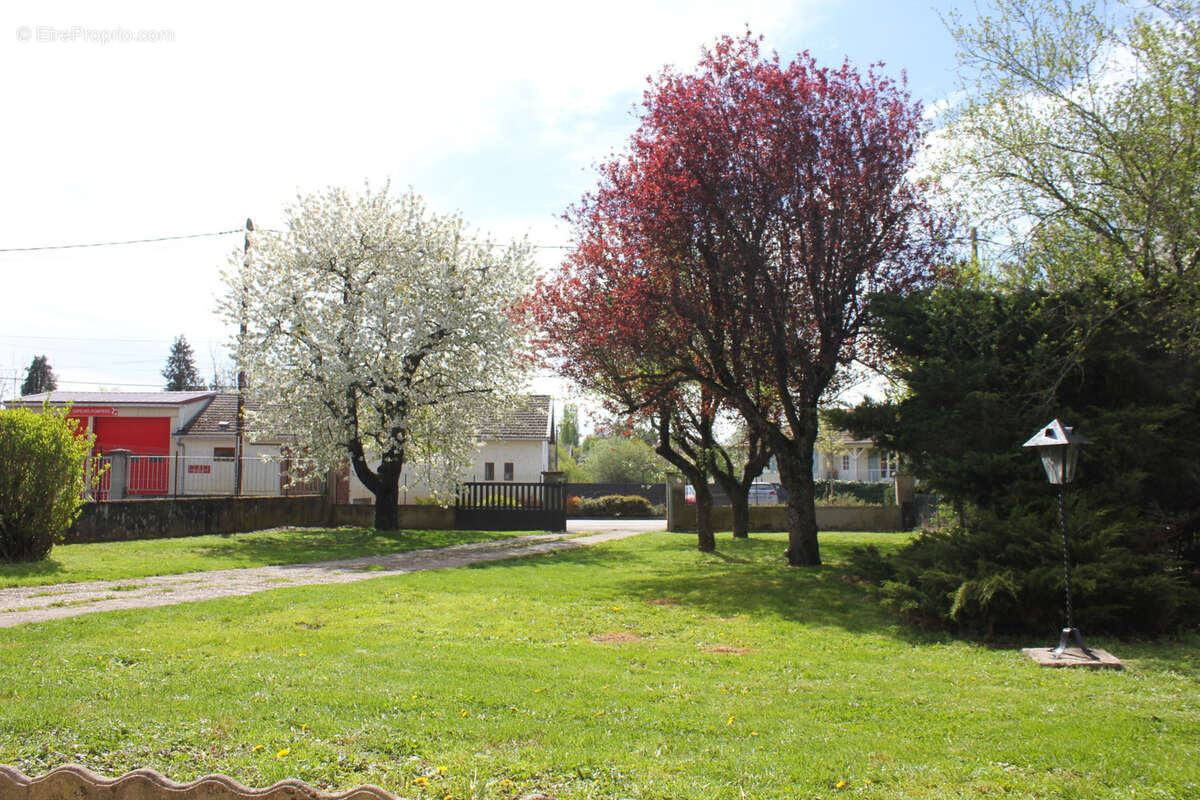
42,248
102,339
117,244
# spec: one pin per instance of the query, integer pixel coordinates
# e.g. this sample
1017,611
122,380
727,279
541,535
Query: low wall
120,520
360,515
775,518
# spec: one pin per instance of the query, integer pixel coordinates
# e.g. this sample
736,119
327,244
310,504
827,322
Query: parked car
763,494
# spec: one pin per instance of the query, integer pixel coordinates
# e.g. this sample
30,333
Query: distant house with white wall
858,460
207,447
516,447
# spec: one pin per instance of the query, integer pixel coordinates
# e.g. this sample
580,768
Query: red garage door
149,439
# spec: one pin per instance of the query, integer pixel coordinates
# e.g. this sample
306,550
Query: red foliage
737,241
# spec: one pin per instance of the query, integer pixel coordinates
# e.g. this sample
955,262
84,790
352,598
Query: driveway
615,525
22,604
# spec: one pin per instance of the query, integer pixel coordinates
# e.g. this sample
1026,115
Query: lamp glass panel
1072,461
1052,459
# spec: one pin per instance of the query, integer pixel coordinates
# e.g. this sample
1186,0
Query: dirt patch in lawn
663,601
726,649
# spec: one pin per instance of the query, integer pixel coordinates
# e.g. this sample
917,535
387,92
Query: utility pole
239,450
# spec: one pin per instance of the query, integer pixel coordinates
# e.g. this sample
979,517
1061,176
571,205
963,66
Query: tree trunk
383,482
706,540
740,503
795,461
738,493
388,504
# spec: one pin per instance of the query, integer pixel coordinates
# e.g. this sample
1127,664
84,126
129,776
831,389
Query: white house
855,460
207,448
516,448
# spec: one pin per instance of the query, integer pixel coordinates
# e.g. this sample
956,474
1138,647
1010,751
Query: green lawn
136,559
636,669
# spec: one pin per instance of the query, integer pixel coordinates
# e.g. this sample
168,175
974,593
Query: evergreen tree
568,428
40,377
181,372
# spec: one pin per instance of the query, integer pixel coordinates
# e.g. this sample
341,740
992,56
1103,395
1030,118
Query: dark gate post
554,484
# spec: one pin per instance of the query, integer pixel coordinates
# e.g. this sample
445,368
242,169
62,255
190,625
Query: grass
635,669
109,561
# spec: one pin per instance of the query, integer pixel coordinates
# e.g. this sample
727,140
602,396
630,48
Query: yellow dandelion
303,728
301,655
256,748
421,781
730,722
442,770
464,713
754,733
284,753
841,785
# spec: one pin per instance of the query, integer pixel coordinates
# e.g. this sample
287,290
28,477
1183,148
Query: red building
142,422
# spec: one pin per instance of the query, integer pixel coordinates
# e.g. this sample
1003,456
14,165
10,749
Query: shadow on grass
293,547
743,577
30,569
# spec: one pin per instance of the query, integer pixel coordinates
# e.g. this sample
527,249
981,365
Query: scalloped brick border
75,781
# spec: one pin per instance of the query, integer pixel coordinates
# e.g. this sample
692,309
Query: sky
126,121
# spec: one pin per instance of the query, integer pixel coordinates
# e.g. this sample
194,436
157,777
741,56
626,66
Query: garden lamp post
1058,445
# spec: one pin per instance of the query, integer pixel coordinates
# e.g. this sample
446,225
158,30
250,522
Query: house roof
221,409
113,398
532,418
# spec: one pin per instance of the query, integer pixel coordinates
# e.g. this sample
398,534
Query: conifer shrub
994,576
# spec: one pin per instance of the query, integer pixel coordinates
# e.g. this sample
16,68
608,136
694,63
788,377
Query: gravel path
23,604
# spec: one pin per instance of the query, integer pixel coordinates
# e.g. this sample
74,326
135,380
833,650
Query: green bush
839,499
616,505
42,481
1005,576
868,494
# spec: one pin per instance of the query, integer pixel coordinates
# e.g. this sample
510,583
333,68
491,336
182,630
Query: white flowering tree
379,331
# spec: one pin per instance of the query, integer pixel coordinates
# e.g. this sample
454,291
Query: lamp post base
1073,657
1072,633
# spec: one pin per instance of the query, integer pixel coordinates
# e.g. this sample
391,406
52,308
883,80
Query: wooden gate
511,507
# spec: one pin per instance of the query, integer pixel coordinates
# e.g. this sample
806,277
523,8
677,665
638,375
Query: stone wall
359,515
774,518
120,520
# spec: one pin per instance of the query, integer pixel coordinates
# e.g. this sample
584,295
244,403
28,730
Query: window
889,464
224,453
846,463
489,471
508,470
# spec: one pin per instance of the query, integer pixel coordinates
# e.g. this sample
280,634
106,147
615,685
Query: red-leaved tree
736,242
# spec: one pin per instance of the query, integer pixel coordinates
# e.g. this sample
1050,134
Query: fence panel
148,475
206,476
511,506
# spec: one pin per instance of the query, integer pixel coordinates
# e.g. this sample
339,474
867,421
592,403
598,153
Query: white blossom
376,327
